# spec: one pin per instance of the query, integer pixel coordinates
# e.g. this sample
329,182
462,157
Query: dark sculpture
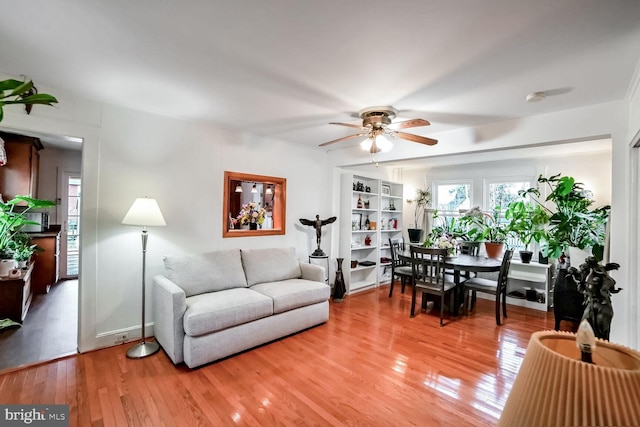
593,280
317,224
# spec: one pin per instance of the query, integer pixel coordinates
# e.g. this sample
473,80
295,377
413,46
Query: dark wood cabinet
20,175
16,295
47,270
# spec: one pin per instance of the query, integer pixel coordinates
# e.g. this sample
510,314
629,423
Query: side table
326,261
16,295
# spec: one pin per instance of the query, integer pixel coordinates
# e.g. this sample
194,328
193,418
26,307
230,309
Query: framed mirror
253,205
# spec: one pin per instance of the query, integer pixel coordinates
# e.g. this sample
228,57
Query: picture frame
386,189
356,221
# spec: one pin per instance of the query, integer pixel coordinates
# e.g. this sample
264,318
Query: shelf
364,267
391,231
364,210
360,248
364,193
390,211
361,284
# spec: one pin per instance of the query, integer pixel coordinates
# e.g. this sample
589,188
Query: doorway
70,191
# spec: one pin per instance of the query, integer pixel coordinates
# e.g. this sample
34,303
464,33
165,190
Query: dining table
461,264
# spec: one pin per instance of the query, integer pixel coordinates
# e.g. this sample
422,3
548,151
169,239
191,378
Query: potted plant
422,200
11,221
488,228
526,222
572,223
22,249
22,92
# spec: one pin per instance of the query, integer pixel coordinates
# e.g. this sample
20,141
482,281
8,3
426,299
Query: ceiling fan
377,124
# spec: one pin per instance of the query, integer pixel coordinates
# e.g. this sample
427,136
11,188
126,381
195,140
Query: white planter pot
577,256
6,265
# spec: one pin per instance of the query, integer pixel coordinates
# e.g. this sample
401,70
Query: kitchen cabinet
47,269
20,175
16,295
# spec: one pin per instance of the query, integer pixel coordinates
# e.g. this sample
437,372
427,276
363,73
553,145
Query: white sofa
212,305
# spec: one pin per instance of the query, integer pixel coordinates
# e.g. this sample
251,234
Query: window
452,196
501,193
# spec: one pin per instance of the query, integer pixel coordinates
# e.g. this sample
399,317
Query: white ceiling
285,68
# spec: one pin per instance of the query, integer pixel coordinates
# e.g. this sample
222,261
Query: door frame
63,209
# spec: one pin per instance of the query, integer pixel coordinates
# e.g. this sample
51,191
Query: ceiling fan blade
416,138
413,123
347,124
342,139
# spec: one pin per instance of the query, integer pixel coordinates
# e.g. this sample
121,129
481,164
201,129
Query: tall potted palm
422,200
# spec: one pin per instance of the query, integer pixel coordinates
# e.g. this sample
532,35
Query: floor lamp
146,213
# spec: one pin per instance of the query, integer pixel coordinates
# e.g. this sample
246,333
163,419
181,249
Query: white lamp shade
145,212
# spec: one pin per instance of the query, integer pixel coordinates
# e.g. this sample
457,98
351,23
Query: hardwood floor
369,365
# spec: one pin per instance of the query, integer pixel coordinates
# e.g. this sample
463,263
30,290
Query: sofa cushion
206,272
293,293
270,265
223,309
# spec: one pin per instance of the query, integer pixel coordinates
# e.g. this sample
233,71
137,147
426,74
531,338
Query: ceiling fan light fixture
366,144
383,143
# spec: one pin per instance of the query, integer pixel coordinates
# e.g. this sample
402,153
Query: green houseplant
422,200
572,223
22,249
11,222
22,92
527,222
487,228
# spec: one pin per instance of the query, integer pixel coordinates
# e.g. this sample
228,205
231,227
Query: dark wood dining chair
470,248
428,277
399,268
492,287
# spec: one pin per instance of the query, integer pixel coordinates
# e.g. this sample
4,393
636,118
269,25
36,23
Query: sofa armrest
313,272
169,306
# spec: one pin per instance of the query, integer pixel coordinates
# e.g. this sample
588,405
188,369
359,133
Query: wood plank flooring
370,365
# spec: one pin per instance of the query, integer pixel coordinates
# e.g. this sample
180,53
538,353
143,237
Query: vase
6,265
415,234
338,286
253,226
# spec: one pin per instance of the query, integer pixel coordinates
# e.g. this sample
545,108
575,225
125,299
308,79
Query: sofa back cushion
206,272
270,265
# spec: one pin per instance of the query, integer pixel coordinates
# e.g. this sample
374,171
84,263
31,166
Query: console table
16,295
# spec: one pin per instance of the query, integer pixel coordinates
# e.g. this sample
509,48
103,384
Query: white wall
53,162
128,154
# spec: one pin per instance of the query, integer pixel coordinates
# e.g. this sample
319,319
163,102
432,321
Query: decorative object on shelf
595,283
385,189
359,203
359,186
422,200
554,387
367,223
339,288
144,212
373,225
367,189
572,223
366,204
367,240
392,206
253,214
318,224
354,263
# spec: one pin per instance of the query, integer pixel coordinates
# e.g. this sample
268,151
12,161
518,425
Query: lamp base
143,349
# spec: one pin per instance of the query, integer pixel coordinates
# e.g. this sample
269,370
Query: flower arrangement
251,212
444,242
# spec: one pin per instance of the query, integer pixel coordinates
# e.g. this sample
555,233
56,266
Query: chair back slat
428,266
503,276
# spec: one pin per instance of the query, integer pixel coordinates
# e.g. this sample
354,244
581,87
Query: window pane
452,197
503,193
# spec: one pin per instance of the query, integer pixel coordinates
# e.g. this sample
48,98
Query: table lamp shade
555,388
145,212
